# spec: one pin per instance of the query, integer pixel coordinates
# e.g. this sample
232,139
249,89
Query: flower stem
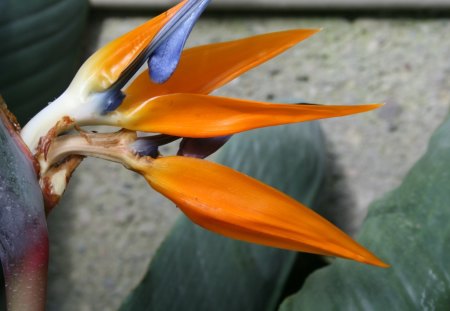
23,234
109,146
26,277
65,153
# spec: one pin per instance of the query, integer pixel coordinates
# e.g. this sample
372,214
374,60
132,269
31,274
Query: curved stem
65,152
109,146
23,229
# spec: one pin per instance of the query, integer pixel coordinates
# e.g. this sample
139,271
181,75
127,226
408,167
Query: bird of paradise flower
170,100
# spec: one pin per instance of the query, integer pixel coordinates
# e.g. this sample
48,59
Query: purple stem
23,227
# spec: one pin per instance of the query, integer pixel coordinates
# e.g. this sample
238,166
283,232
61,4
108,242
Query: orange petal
235,205
202,69
104,67
193,115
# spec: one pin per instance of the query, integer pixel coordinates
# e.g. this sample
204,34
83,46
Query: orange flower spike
237,206
97,88
200,71
193,115
116,56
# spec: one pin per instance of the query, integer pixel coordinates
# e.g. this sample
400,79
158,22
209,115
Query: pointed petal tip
368,107
382,264
351,249
376,105
303,33
364,255
365,105
371,259
240,207
300,33
314,30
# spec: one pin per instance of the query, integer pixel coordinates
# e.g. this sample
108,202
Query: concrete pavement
284,4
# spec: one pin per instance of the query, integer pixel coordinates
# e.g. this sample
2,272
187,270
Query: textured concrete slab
110,222
280,4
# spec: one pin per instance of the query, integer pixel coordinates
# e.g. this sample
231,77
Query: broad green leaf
23,233
198,270
40,51
13,8
409,229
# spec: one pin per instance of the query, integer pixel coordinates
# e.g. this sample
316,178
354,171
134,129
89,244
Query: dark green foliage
40,51
409,229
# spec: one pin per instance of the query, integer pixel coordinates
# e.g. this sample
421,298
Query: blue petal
164,48
164,60
201,147
149,145
112,100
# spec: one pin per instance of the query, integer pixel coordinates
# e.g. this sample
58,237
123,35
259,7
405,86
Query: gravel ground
110,222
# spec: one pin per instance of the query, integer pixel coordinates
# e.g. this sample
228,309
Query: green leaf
409,229
13,8
198,270
40,51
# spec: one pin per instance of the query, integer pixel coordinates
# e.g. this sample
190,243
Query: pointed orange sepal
235,205
205,68
104,67
193,115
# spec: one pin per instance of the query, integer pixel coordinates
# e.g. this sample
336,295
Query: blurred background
110,222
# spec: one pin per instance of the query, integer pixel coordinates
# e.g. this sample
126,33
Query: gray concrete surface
283,4
110,222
